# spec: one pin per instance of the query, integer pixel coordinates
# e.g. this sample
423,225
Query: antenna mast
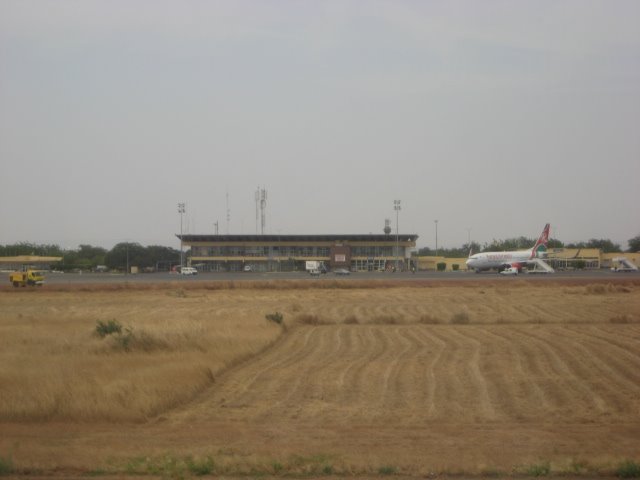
263,209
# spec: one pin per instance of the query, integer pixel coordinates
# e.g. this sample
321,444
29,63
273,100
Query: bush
276,317
441,266
628,469
538,469
6,466
201,467
112,326
455,267
387,470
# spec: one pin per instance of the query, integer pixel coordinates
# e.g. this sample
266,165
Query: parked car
188,271
247,268
314,273
341,271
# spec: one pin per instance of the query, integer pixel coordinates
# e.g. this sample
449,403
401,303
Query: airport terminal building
273,253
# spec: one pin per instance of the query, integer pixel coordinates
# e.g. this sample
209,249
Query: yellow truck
27,277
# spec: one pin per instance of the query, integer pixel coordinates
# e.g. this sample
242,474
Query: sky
491,117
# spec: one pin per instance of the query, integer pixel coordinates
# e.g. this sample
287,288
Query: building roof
404,237
29,259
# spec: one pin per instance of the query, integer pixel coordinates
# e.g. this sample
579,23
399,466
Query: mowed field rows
475,377
419,374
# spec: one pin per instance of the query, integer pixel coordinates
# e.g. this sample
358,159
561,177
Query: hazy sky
494,116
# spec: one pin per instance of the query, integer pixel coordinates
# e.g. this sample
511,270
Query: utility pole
181,211
397,208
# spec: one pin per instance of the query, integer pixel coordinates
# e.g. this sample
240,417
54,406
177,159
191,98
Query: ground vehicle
314,273
341,271
247,268
28,277
188,271
509,271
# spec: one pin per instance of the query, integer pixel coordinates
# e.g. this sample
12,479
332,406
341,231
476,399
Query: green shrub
387,470
455,267
276,317
441,266
277,467
6,466
112,326
201,467
628,469
538,469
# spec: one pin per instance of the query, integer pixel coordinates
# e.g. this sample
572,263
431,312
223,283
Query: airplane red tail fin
541,243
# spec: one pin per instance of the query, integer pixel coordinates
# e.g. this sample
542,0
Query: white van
188,271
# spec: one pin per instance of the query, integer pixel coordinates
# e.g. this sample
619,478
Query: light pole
181,212
436,222
396,207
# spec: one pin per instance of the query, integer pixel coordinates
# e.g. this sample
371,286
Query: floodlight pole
397,208
181,212
436,222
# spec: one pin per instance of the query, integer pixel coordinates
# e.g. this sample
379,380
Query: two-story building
272,253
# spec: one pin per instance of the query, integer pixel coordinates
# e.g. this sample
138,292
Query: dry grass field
480,378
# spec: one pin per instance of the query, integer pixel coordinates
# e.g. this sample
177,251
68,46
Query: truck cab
27,277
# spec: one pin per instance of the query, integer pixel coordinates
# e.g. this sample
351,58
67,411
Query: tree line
157,257
523,243
88,257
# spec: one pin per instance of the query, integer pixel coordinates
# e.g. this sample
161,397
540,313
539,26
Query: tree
125,254
85,257
26,248
634,244
606,245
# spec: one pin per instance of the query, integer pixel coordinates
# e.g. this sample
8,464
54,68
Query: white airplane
517,259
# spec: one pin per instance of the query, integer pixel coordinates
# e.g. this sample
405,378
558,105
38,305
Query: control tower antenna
263,209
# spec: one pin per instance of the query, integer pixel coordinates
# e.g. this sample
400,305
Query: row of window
242,251
291,266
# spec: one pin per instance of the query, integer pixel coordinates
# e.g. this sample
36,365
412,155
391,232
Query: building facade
272,253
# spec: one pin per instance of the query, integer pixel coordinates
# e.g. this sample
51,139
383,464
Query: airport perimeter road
108,278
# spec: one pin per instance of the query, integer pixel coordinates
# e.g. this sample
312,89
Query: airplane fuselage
489,260
517,259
